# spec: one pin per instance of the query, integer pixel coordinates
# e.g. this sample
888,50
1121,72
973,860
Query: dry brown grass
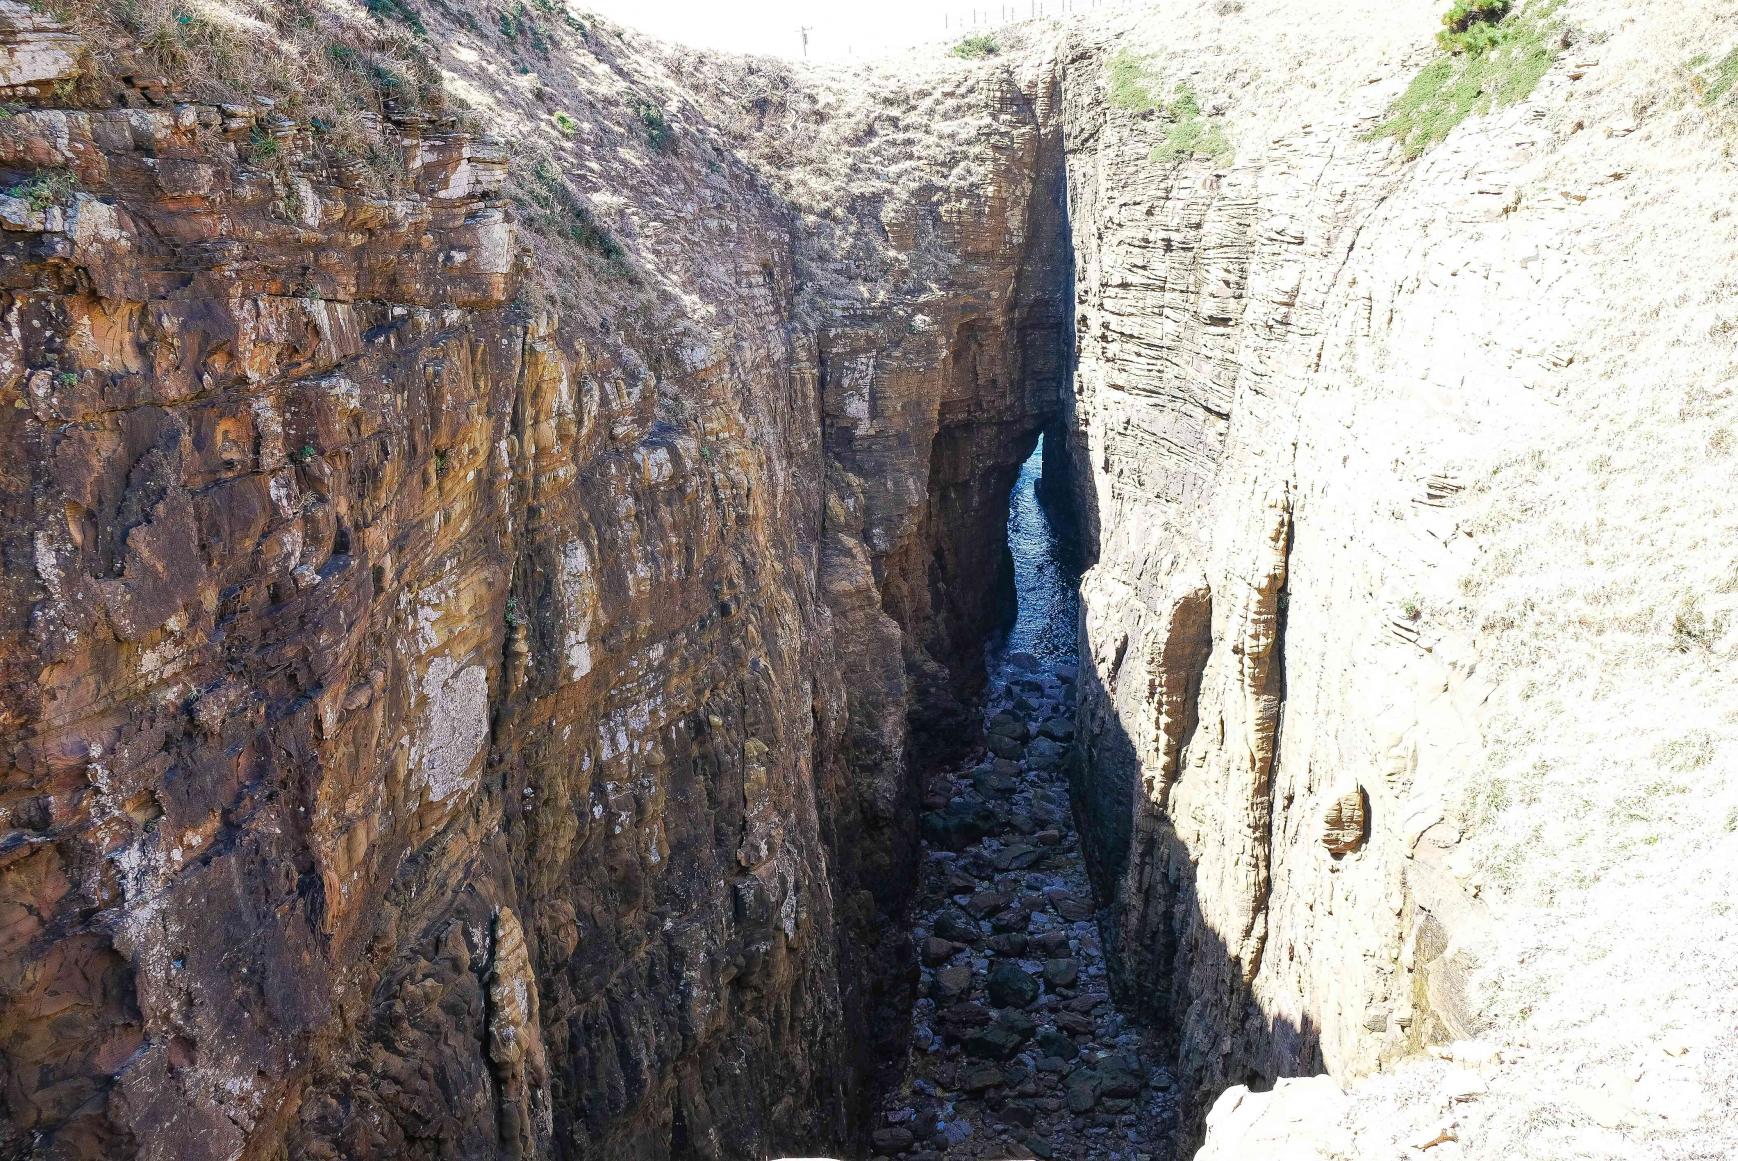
329,65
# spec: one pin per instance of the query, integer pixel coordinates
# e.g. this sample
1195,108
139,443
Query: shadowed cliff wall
1365,607
463,626
475,607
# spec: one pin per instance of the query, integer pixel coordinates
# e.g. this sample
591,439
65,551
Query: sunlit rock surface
457,710
479,606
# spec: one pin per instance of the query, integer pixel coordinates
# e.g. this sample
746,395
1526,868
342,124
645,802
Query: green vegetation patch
518,23
559,211
656,125
1486,65
1471,25
1132,85
48,188
1188,131
1713,80
262,147
398,10
977,46
1190,134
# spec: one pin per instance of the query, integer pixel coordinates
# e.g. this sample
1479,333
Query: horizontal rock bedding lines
458,685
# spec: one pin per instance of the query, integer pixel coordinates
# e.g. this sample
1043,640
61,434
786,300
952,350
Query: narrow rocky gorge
503,520
1017,1048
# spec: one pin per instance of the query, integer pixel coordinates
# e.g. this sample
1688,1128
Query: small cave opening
1016,1045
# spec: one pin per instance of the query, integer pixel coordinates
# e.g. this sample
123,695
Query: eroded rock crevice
512,721
1017,1048
494,650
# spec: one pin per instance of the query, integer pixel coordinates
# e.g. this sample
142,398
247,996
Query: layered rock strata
1323,391
475,614
1251,744
459,658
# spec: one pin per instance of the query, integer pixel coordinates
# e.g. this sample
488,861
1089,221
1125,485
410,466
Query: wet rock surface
1017,1049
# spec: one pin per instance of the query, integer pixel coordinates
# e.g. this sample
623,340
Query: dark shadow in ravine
1169,968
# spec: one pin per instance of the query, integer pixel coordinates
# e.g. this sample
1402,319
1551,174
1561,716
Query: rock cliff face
458,683
477,606
1210,303
1317,384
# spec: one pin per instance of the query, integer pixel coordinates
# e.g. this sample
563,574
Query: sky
837,30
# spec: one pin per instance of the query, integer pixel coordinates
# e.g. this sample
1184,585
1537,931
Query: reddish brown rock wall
451,714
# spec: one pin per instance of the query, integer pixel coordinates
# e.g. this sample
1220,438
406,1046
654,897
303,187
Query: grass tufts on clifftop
977,46
656,126
338,73
396,10
1712,79
1487,64
1132,85
550,205
1471,25
1188,132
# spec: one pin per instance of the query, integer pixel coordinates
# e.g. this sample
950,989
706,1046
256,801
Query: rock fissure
493,638
1017,1048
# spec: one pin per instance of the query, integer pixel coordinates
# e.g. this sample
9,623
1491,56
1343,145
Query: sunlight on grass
1498,68
1187,131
